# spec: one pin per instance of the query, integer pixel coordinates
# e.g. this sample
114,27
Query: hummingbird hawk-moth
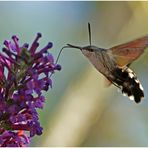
114,64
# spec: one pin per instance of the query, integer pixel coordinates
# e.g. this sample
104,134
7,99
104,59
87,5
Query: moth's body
122,77
114,64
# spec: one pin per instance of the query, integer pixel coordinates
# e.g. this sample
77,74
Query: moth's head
89,48
86,50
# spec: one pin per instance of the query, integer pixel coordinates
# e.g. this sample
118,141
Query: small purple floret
24,75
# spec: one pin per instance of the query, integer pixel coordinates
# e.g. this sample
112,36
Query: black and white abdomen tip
127,80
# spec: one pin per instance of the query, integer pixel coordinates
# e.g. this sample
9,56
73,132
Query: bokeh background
80,110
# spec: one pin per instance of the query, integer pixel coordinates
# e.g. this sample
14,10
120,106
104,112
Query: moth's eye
89,49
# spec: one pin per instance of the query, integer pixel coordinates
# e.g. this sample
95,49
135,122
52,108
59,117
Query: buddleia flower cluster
24,75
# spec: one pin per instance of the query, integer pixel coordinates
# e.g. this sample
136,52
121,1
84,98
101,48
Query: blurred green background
80,110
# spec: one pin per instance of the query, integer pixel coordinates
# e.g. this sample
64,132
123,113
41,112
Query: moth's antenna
89,33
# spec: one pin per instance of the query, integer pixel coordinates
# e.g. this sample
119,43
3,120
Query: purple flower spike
35,44
15,39
24,75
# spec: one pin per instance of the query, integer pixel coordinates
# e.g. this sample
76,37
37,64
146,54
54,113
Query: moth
114,64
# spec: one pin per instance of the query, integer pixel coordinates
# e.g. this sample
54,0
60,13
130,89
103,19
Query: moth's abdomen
127,80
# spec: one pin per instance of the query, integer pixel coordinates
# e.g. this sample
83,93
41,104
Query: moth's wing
126,53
